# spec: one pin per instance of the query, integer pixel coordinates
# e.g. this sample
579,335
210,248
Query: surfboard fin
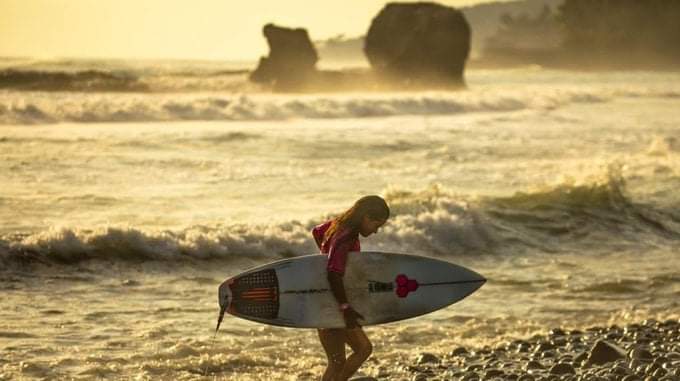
219,319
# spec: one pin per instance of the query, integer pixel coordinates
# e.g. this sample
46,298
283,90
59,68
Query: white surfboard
383,287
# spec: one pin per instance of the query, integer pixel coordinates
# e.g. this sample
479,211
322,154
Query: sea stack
292,59
419,44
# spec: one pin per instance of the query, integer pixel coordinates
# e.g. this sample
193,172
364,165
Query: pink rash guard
337,247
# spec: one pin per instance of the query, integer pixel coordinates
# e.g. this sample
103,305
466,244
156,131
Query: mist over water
121,212
103,91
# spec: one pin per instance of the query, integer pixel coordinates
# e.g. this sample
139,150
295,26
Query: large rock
292,59
423,43
604,352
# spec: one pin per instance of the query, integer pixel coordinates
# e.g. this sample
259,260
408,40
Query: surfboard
383,287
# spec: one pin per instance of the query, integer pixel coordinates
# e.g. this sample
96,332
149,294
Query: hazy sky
194,29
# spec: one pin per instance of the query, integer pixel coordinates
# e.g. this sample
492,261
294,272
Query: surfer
336,238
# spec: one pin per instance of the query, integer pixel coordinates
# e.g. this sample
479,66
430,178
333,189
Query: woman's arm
338,289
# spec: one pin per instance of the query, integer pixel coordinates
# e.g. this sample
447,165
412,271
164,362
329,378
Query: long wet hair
374,207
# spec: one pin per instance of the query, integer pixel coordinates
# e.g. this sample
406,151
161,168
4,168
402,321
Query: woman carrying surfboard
336,238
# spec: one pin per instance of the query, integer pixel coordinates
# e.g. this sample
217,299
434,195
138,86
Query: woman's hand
351,316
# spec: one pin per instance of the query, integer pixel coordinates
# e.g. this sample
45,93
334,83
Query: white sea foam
433,222
37,107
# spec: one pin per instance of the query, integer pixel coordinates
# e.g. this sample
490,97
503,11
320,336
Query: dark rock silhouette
409,46
419,43
291,63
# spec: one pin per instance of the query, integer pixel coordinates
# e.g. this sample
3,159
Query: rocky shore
646,351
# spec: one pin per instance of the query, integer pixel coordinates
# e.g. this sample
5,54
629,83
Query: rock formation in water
291,63
409,45
419,43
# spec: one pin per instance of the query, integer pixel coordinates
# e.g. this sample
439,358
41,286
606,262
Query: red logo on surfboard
405,285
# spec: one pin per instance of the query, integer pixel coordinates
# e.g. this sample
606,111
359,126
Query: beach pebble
631,377
523,347
670,365
532,365
558,342
673,356
560,369
470,376
557,332
620,370
543,347
493,373
580,358
547,354
473,368
641,354
460,351
604,352
658,372
427,358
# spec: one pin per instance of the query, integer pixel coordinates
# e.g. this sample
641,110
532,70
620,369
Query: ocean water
130,190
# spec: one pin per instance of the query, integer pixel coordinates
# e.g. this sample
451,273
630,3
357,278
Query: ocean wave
596,209
84,81
93,78
432,222
34,108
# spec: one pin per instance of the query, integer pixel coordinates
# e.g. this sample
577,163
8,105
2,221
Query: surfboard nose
468,281
476,278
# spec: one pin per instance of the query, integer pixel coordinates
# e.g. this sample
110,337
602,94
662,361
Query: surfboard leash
212,343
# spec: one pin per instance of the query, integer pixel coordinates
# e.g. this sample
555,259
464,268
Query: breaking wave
88,80
41,107
433,222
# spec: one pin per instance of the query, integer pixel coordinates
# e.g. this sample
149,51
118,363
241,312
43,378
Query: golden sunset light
353,190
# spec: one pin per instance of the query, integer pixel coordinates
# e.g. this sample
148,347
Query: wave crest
85,80
598,208
78,108
40,107
433,221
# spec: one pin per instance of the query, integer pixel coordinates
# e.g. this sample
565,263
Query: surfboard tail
224,299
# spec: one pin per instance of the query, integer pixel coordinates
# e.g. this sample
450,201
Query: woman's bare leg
361,350
333,342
